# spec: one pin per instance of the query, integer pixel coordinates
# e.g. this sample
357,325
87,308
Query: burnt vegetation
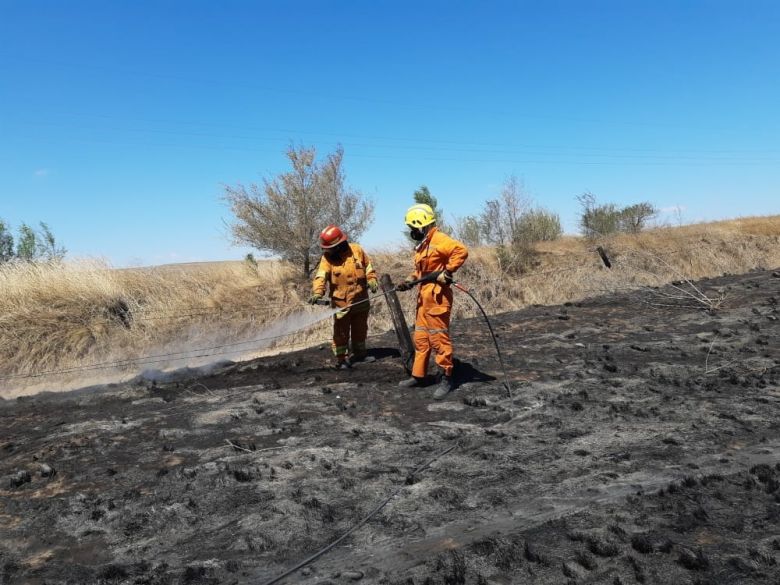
663,469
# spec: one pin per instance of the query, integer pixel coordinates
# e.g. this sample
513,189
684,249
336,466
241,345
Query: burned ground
643,447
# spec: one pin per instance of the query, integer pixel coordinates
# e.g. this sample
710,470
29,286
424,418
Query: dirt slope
643,447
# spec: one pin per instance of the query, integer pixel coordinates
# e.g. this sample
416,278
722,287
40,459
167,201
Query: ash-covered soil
643,447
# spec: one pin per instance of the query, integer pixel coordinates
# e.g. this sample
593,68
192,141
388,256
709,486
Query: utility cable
370,515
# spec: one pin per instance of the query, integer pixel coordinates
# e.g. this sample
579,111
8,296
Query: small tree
31,245
467,230
6,242
26,243
539,225
606,219
286,214
634,218
500,217
423,195
47,246
597,220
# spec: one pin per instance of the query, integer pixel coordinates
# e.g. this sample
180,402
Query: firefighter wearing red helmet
346,270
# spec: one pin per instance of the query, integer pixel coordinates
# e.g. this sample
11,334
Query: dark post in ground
399,322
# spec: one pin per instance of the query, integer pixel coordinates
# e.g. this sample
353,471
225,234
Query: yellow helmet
419,216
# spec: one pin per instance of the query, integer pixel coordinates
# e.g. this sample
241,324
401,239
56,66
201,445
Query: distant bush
467,230
511,225
634,217
31,245
516,258
539,225
607,218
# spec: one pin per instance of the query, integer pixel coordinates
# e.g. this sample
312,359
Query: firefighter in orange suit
346,269
435,252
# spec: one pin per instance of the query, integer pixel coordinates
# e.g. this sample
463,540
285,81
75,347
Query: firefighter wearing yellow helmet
435,252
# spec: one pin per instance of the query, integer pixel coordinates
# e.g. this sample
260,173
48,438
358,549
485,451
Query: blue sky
121,121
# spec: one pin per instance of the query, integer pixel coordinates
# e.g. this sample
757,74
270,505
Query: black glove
314,298
405,285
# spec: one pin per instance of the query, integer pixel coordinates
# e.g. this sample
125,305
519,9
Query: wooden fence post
399,322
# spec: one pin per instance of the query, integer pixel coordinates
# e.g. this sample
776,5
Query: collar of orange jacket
427,239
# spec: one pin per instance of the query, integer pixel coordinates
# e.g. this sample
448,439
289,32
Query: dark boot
445,387
411,383
343,364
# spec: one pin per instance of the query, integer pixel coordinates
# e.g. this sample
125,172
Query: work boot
445,387
343,365
363,358
411,383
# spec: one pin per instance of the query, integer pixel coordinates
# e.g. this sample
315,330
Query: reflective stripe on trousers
353,325
431,334
431,331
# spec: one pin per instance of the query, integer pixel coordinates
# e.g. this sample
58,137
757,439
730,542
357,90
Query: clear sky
121,121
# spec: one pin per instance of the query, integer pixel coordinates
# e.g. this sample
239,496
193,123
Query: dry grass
58,316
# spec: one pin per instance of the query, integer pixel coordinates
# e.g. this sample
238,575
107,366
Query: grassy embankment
54,317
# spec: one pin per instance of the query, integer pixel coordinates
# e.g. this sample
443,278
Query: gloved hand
314,298
402,286
373,285
445,277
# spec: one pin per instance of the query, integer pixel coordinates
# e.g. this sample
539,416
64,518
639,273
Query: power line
491,149
555,156
616,161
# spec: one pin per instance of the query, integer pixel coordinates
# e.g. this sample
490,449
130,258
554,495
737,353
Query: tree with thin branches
285,214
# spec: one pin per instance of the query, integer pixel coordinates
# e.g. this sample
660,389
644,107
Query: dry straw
64,315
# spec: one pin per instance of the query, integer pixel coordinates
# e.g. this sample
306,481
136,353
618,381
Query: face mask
417,234
335,253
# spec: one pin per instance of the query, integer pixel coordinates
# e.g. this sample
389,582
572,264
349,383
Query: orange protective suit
436,252
347,277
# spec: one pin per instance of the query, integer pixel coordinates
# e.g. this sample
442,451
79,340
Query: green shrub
607,219
539,225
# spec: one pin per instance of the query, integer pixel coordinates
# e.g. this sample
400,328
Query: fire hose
431,277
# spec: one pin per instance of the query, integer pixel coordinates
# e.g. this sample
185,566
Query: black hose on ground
370,515
495,340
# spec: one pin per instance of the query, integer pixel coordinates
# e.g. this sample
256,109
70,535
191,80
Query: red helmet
331,237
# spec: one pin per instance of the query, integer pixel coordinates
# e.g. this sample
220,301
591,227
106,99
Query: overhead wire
525,150
552,158
409,139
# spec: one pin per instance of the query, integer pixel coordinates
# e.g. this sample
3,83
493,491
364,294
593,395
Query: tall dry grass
59,316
